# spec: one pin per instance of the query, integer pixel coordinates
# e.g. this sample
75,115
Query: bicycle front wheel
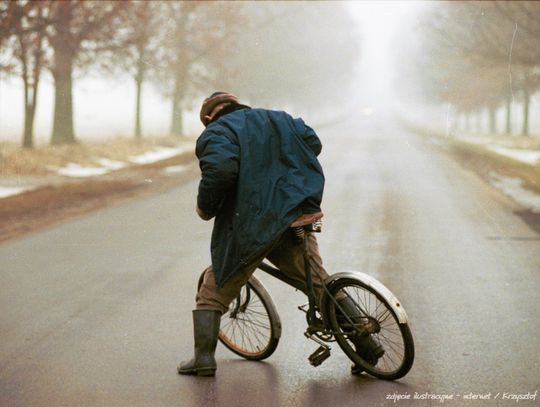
372,310
251,327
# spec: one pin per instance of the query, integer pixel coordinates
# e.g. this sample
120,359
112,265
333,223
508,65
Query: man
259,173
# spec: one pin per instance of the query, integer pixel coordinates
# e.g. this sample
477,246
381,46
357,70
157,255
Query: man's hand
202,214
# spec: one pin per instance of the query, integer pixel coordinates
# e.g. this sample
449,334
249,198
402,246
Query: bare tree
488,51
141,55
77,31
7,20
23,28
29,32
291,54
6,38
508,34
5,34
198,34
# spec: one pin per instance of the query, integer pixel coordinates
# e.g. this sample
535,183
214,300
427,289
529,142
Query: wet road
97,311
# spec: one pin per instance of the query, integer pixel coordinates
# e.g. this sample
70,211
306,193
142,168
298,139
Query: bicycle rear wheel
377,314
251,327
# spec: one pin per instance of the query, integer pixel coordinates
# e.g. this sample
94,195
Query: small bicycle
252,328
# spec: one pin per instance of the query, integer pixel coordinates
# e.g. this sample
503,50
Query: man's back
259,173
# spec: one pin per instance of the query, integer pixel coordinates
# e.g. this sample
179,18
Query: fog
104,108
370,57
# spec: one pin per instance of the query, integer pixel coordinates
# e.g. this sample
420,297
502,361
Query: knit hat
214,103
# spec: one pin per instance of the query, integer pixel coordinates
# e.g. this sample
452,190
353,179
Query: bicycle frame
308,289
315,332
340,315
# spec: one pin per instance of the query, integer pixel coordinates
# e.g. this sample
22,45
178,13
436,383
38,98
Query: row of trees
266,52
480,56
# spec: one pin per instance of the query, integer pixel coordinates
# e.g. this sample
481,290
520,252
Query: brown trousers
285,253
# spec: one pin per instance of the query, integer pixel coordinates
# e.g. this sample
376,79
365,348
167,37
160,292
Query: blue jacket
259,172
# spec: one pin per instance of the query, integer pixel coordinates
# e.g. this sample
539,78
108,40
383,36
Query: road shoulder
52,203
516,179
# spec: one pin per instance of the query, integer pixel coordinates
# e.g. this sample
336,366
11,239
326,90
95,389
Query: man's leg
288,256
212,302
209,297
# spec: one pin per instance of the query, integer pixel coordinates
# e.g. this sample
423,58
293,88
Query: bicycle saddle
306,219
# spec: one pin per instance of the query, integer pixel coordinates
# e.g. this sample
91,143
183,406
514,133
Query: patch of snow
111,164
175,169
107,165
9,191
159,153
75,170
527,156
513,187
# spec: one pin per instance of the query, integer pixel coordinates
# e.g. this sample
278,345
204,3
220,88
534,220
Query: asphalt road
97,311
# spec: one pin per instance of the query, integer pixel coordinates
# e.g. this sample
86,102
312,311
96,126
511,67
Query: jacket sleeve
309,136
218,160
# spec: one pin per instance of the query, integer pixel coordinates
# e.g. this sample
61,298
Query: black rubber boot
367,347
205,332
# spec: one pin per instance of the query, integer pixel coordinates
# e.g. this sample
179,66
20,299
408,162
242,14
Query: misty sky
105,107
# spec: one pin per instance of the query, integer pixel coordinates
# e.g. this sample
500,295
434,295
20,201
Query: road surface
96,311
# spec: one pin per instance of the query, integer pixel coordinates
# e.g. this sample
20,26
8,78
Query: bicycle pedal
320,355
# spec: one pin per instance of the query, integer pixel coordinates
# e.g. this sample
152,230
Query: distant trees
293,54
23,29
287,53
6,32
57,35
77,31
144,32
198,35
482,55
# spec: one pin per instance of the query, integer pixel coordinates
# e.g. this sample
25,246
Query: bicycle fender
377,286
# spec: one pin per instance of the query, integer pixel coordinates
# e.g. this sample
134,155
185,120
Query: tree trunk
478,122
139,78
29,114
27,131
177,122
30,103
138,86
493,120
509,115
63,131
526,103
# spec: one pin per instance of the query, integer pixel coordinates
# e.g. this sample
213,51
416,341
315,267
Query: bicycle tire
395,337
251,327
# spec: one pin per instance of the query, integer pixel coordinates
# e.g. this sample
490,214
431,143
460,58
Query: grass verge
34,210
15,161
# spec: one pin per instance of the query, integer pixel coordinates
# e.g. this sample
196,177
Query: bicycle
252,328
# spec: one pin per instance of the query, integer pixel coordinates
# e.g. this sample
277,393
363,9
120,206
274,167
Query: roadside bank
40,188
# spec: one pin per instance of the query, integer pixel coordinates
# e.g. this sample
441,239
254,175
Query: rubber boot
205,332
367,347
